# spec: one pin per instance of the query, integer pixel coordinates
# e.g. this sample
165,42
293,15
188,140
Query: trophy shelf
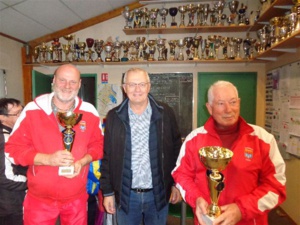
193,29
156,62
288,45
277,8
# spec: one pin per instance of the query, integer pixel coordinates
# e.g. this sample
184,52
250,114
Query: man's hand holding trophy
215,159
68,120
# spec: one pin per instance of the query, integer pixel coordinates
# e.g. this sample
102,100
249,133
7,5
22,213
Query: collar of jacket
44,102
244,127
5,129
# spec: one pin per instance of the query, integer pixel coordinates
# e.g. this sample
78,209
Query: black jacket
164,146
13,183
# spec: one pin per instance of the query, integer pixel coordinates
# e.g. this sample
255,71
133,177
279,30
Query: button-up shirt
140,158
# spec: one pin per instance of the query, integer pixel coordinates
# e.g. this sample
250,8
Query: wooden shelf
277,8
287,45
181,30
142,62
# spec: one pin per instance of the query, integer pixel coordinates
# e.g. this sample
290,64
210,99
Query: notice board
175,89
282,117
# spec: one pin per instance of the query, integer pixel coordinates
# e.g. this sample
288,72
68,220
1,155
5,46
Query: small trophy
215,159
173,12
68,120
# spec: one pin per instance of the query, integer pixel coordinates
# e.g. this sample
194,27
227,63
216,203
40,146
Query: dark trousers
11,219
92,209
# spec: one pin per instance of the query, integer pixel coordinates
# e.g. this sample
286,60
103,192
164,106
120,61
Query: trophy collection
215,159
214,47
196,48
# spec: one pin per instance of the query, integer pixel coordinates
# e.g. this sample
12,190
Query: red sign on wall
104,78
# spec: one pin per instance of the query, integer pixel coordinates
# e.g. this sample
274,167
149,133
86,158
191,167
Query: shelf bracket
289,50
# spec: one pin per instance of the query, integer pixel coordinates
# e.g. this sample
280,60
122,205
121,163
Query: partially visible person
36,141
93,185
255,177
142,142
13,181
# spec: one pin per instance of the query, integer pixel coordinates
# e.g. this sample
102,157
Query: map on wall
108,97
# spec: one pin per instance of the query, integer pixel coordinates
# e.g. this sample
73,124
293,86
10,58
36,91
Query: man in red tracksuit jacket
255,177
36,141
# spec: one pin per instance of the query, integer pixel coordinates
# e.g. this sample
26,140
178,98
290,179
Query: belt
141,190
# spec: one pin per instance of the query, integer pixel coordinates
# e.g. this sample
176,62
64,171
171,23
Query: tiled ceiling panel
88,9
27,20
2,6
19,26
119,3
52,14
11,2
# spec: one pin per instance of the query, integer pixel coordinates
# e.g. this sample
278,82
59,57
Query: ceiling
26,20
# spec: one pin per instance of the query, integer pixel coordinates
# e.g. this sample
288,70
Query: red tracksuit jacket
254,179
37,131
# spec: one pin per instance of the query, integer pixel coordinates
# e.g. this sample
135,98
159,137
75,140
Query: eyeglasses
14,114
134,85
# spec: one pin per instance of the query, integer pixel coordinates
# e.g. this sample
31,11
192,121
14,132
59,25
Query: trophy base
172,58
65,170
99,60
208,220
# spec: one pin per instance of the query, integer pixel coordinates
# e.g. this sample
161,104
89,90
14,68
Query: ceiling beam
12,38
82,25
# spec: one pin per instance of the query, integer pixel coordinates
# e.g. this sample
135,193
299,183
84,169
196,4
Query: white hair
220,83
136,70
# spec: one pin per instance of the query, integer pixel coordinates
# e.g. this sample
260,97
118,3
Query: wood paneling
27,82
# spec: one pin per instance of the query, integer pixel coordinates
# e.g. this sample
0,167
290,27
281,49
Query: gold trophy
215,159
68,120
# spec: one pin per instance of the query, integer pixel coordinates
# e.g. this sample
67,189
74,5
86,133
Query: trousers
142,208
37,212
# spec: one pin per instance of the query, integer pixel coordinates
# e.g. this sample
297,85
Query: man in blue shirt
142,142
